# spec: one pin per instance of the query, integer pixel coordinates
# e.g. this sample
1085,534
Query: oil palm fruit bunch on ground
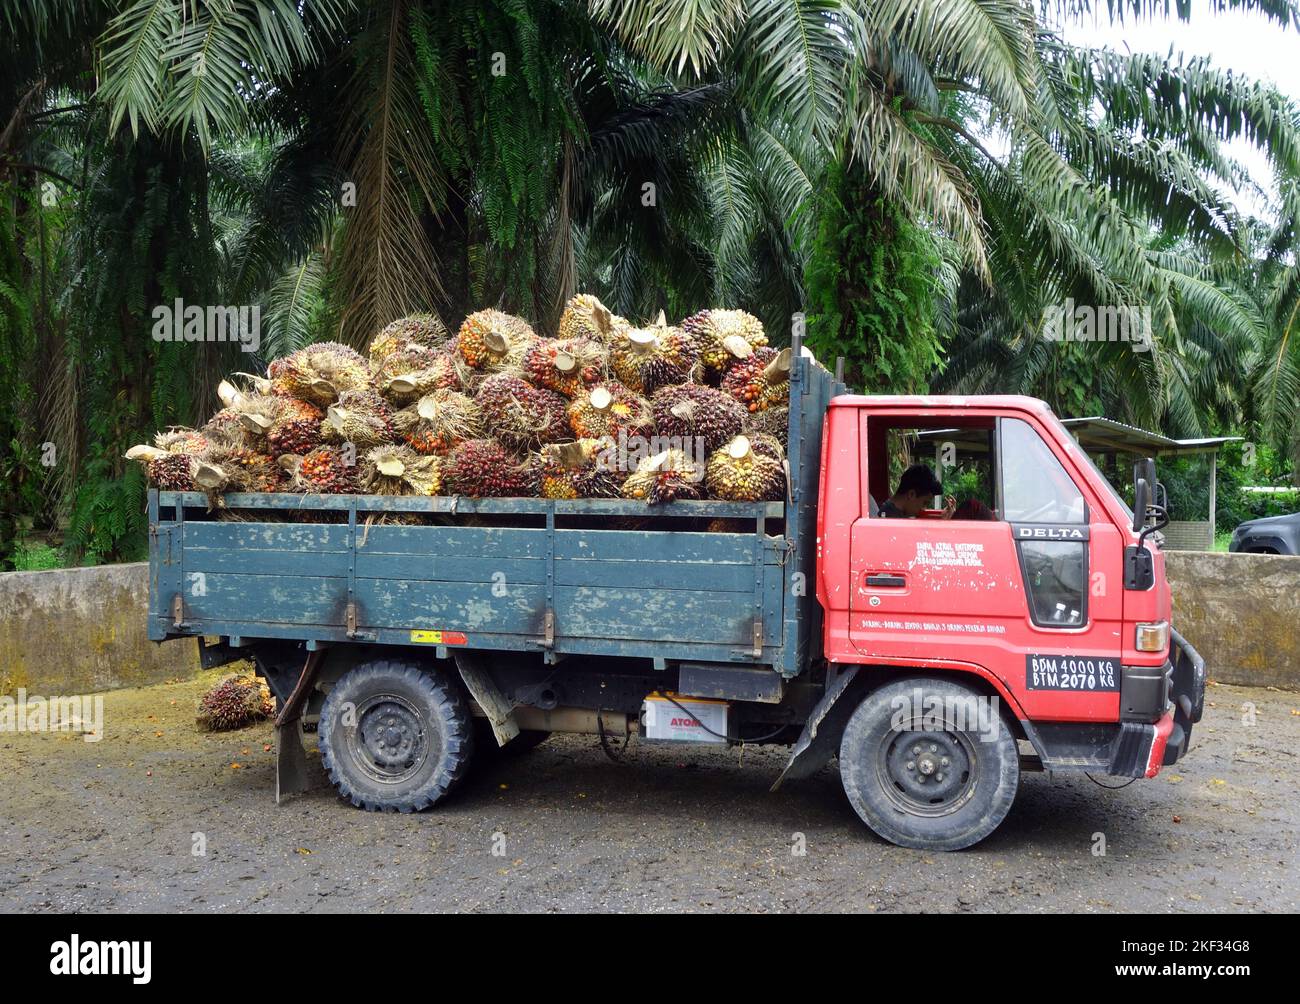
567,366
438,421
586,317
324,470
761,381
521,415
580,469
424,330
610,409
693,411
319,373
235,702
484,468
666,477
360,417
399,470
740,472
773,421
645,359
492,340
724,336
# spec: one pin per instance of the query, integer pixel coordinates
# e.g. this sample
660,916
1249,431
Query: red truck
936,657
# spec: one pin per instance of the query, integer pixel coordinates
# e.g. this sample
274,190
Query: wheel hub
927,772
389,742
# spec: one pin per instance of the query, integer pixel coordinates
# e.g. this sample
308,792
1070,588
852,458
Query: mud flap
816,743
290,761
290,754
499,711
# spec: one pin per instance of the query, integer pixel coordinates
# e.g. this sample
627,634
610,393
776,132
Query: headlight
1153,637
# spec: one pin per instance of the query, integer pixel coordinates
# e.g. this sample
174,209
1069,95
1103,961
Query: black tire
485,742
893,765
395,736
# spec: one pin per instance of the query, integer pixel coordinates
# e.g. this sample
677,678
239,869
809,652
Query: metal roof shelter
1108,438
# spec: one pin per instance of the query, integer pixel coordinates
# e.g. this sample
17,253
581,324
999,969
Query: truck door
1015,595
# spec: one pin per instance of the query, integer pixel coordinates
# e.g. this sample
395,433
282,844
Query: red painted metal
961,602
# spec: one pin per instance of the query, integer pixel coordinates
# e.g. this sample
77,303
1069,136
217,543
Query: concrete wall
1241,612
78,630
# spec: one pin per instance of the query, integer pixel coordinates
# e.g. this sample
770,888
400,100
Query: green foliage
872,283
1187,482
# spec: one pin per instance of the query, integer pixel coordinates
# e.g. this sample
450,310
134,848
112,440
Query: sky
1242,42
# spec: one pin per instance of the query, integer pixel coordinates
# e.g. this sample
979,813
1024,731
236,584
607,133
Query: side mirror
1141,498
1144,483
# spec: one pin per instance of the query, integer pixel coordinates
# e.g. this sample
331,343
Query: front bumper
1141,749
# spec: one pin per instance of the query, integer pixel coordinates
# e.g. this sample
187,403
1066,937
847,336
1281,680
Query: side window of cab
1049,518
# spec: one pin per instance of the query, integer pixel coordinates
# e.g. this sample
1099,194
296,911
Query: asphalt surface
115,826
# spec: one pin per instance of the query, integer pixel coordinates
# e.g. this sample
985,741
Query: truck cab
1041,602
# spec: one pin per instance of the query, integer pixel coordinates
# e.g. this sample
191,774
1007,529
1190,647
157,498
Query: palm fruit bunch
438,421
399,470
324,470
645,359
235,702
566,366
179,439
724,336
747,471
774,421
410,372
360,417
424,330
179,460
761,381
170,472
666,477
296,429
255,411
493,340
694,411
238,468
521,415
610,409
579,470
484,468
586,317
319,373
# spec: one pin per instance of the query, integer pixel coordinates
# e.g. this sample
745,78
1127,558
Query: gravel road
115,826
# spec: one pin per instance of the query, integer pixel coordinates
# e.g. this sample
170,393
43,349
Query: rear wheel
929,764
395,736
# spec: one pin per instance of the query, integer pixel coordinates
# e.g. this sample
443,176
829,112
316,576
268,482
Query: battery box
664,720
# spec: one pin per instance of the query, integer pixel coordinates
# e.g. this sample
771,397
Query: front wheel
929,764
395,736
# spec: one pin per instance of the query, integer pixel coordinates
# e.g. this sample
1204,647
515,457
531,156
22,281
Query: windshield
1128,509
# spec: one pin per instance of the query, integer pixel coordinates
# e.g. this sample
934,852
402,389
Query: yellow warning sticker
427,637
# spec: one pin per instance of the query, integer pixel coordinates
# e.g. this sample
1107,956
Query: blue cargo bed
586,577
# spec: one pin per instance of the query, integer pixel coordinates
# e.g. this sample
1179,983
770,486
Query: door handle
883,580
